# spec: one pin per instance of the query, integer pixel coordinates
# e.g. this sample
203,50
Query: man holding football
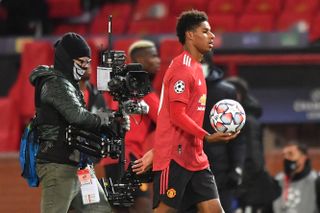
183,179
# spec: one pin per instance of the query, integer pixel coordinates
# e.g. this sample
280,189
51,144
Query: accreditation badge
88,186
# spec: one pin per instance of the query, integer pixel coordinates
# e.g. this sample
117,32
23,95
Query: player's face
203,38
150,60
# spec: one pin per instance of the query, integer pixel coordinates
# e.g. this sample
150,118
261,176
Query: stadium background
273,44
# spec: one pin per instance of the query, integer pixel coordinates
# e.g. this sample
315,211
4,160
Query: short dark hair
303,148
187,21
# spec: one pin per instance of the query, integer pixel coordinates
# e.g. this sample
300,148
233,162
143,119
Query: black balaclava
70,46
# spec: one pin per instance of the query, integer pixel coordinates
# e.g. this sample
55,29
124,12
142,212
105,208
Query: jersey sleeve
153,101
179,118
180,86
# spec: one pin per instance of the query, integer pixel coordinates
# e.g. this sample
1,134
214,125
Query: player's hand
219,136
143,164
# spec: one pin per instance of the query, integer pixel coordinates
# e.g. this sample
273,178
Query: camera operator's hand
136,107
219,136
108,131
143,164
105,117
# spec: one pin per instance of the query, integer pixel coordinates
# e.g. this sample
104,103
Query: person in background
257,189
145,52
140,138
298,181
61,168
226,159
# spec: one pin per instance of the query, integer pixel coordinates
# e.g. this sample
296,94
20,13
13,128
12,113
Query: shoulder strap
37,97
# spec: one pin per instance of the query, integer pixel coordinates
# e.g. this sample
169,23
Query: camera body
122,81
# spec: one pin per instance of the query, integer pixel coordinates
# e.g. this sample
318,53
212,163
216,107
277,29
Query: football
227,116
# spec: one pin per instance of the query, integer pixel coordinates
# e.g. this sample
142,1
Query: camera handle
122,132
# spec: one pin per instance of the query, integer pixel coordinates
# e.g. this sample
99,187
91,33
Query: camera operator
63,170
141,135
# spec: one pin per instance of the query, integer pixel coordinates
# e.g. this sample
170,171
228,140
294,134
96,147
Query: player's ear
189,35
139,59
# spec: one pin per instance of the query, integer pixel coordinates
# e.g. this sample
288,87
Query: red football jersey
183,82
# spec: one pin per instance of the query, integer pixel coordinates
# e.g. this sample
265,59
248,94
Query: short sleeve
180,86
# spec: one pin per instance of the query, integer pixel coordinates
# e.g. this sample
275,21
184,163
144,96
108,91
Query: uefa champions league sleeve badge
179,86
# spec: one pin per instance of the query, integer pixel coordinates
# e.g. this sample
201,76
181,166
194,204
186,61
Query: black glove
234,178
106,130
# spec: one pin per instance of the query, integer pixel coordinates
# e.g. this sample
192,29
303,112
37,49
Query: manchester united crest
171,193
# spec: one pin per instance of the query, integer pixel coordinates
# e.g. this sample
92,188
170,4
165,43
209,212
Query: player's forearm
180,119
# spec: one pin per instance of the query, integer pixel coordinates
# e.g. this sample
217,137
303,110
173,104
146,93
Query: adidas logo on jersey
186,60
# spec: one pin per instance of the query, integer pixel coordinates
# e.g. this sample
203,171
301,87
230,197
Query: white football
227,116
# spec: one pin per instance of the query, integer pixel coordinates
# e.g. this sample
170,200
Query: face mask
78,71
289,166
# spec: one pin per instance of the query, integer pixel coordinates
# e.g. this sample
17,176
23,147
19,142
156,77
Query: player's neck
195,54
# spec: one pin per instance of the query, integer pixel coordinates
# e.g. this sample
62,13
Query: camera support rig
126,83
